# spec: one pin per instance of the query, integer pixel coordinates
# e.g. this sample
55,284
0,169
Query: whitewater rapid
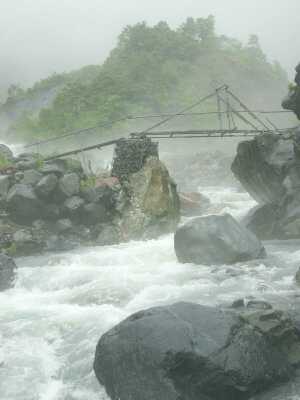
62,303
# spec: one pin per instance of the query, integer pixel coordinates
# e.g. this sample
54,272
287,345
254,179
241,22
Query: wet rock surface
216,239
152,207
188,351
52,205
7,272
268,167
292,101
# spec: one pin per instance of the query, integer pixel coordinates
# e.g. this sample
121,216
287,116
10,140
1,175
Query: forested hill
159,69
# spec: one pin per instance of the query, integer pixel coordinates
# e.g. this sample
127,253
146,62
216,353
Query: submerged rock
216,239
191,352
7,272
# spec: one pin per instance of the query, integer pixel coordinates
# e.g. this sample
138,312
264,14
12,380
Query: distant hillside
151,70
19,104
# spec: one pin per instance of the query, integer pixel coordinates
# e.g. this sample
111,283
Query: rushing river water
62,304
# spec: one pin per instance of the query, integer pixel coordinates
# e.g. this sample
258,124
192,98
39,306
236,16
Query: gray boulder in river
192,352
216,239
269,169
7,272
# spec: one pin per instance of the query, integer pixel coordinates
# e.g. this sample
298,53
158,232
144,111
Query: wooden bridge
230,111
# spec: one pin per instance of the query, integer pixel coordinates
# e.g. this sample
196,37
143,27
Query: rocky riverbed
209,312
55,205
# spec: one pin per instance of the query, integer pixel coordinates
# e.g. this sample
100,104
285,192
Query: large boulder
153,204
192,352
261,165
216,239
265,222
23,204
269,169
7,272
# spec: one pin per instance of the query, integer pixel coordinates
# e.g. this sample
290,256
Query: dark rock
264,221
259,305
69,185
188,351
50,212
216,239
7,272
46,185
131,155
31,177
298,277
292,100
99,194
94,213
239,303
4,186
23,205
261,166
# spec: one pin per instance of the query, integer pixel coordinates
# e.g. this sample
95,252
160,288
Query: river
62,303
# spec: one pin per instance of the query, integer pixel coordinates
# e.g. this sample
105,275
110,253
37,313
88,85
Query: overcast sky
39,37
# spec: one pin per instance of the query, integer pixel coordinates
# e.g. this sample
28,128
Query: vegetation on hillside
157,69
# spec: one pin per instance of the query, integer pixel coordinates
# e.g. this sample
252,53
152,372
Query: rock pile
54,205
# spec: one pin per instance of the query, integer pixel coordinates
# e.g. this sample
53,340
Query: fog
39,37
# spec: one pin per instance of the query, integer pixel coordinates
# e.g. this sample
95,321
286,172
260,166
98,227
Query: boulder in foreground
192,352
216,239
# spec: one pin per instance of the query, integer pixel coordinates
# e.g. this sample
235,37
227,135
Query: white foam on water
62,304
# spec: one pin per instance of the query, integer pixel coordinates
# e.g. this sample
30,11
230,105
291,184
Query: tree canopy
159,69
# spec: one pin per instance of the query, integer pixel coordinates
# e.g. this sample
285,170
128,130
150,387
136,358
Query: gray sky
39,37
